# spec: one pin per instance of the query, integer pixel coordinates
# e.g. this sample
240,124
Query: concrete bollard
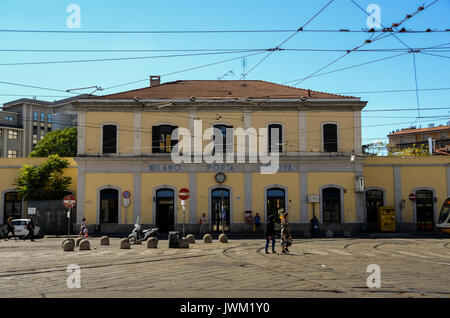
184,243
68,246
191,238
152,242
223,238
124,244
207,238
329,233
77,243
104,240
65,240
85,245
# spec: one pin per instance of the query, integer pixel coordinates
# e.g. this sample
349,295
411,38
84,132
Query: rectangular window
49,118
330,143
12,154
35,139
162,141
272,130
12,134
224,140
35,116
42,117
42,132
109,139
49,128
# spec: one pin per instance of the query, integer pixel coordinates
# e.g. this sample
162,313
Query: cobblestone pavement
314,268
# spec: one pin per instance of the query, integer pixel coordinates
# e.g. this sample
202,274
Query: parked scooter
142,235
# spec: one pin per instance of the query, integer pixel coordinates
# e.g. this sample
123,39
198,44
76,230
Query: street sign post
126,202
184,194
69,202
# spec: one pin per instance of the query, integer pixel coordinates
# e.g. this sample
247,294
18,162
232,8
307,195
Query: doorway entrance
374,199
220,201
12,206
165,206
331,205
424,210
109,206
276,200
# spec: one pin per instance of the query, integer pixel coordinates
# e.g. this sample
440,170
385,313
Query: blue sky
280,67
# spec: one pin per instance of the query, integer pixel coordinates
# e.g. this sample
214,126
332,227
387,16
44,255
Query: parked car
20,228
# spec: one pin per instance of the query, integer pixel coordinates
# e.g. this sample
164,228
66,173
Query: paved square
315,268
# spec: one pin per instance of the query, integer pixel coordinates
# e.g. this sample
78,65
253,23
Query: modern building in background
23,122
408,137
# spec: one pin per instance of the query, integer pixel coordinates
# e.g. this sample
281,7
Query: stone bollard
68,246
329,233
223,238
152,242
65,240
85,245
77,243
124,244
347,234
184,243
207,238
191,238
104,240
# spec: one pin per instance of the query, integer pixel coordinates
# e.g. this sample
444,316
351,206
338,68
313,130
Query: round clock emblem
220,177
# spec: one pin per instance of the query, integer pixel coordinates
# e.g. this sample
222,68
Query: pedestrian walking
83,226
86,232
270,233
30,228
257,222
286,238
10,229
203,224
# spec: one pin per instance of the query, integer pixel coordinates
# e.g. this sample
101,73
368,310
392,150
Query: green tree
57,142
414,151
44,182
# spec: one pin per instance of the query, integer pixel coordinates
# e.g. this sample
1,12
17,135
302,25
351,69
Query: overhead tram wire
358,47
38,87
123,58
393,91
290,37
448,57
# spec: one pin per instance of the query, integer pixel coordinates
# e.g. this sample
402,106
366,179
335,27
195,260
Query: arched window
221,143
162,141
109,206
109,144
275,129
330,138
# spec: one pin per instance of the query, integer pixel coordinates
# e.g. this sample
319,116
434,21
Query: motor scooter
142,235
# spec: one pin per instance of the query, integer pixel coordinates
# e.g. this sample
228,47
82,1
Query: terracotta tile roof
220,89
418,130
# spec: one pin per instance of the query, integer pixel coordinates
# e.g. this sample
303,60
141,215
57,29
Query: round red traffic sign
69,201
126,194
412,197
183,194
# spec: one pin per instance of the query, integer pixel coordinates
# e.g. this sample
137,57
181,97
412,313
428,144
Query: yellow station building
125,142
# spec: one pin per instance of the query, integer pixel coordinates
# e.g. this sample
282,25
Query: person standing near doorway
257,221
270,233
10,228
203,224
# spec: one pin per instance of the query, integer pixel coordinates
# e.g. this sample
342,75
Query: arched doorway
165,206
374,199
276,200
220,201
424,210
12,206
331,205
109,206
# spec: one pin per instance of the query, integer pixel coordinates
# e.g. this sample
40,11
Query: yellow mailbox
386,219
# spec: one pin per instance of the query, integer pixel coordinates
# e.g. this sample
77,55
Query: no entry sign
412,197
69,201
183,194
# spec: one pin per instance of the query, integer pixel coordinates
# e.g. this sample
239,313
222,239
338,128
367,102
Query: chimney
155,80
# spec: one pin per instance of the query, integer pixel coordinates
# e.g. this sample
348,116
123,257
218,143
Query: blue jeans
273,244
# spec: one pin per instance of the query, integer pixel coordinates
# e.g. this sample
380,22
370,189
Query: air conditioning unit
359,184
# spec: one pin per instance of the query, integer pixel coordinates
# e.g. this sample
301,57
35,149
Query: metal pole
222,211
184,219
68,224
